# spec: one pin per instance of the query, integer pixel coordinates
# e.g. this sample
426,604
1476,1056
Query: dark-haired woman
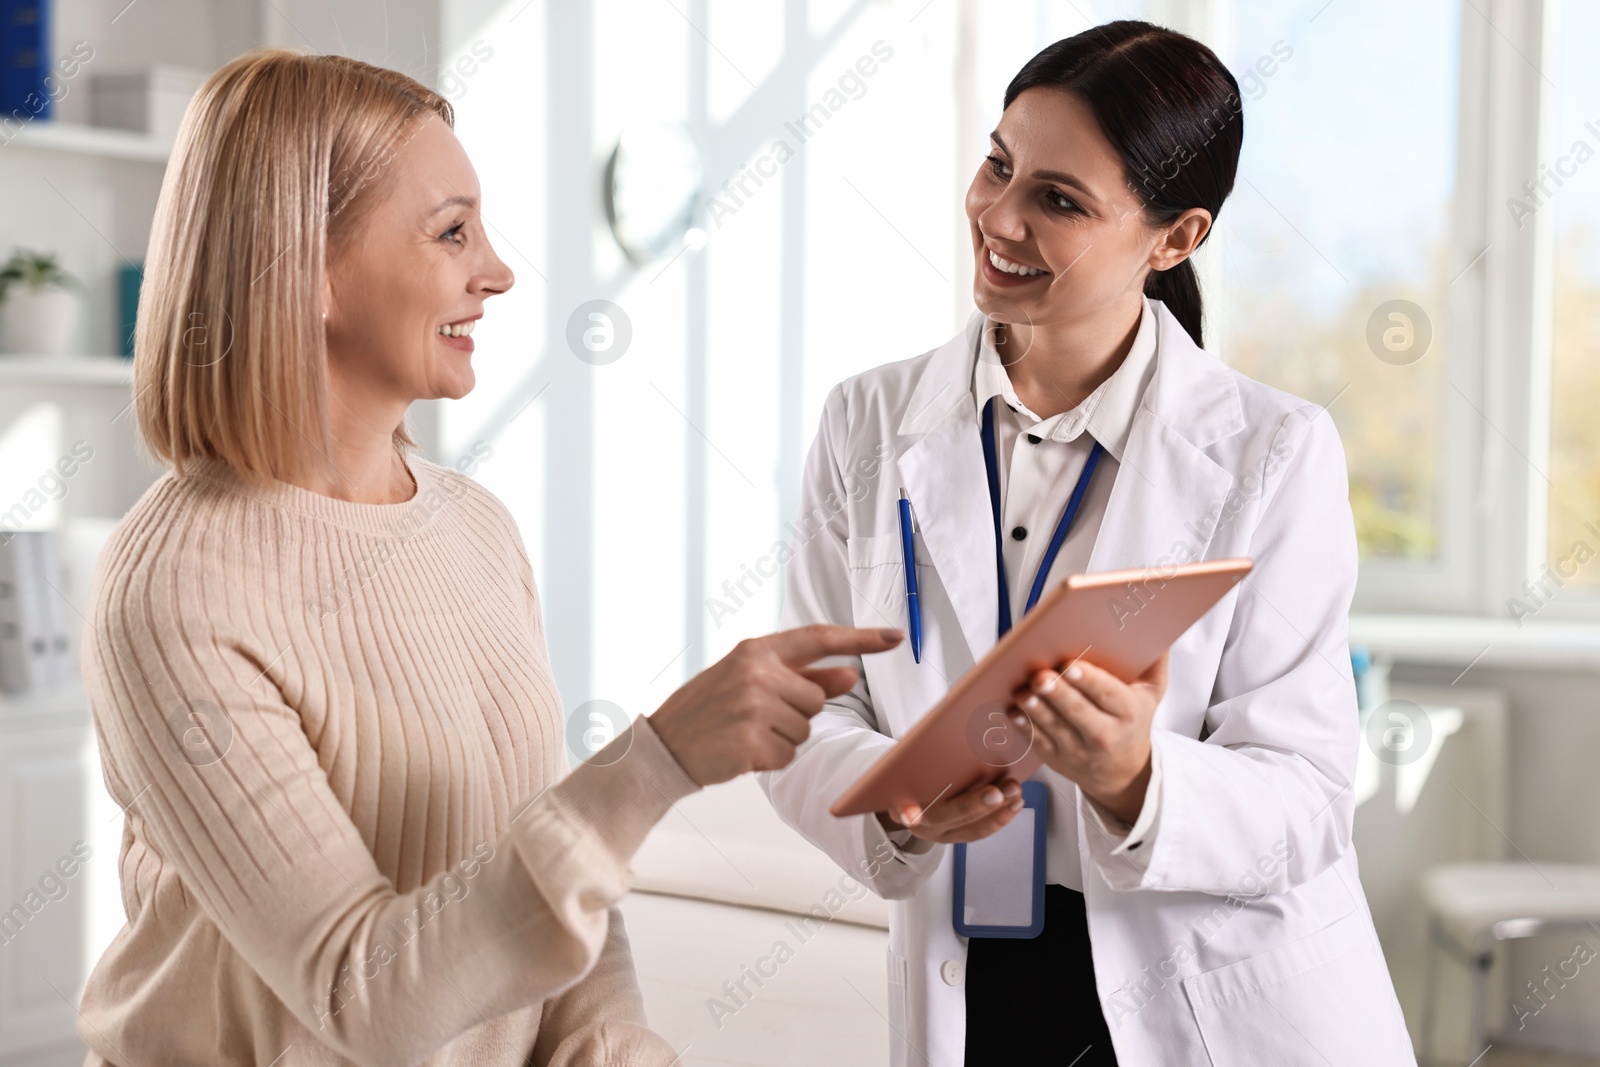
1202,899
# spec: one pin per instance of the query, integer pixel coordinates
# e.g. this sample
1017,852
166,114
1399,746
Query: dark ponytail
1178,288
1171,110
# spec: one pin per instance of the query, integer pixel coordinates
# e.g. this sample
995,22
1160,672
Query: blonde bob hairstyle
279,158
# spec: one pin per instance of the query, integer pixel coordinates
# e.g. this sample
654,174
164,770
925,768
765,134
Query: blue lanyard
1057,539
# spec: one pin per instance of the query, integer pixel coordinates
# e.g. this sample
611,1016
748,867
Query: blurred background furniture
1474,907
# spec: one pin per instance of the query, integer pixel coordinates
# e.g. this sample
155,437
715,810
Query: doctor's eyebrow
454,201
1060,177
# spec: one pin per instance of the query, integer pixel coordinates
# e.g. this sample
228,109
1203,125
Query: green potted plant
39,305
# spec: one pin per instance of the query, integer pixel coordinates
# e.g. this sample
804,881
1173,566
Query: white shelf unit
87,193
53,705
110,372
98,141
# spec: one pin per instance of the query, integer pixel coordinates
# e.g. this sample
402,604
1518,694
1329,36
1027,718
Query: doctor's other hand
1094,728
968,816
750,709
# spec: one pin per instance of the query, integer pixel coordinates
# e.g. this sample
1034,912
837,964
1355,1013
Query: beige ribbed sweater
326,722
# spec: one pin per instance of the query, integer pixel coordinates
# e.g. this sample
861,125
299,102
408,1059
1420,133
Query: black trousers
1032,1001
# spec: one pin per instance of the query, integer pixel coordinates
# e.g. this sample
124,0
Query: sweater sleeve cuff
621,792
576,838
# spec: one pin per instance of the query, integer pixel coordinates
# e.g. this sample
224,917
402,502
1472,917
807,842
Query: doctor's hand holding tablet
1091,728
1087,715
1105,787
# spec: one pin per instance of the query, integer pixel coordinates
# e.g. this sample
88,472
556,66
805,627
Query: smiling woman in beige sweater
316,661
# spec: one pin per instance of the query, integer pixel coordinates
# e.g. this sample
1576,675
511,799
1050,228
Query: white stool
1472,907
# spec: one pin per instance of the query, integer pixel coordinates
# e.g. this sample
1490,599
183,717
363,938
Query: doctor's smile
1001,271
1003,629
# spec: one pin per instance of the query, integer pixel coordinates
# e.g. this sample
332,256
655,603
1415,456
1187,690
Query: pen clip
909,509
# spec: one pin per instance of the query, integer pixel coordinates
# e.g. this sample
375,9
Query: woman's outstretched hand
1094,728
752,708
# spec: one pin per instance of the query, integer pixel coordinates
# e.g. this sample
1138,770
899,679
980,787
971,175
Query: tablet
1120,621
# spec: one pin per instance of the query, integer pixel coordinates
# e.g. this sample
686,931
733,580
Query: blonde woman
316,661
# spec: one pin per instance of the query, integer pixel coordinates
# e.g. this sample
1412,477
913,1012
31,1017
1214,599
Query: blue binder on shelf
24,61
130,277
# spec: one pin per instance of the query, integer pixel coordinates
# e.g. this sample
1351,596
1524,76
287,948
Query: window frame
1578,604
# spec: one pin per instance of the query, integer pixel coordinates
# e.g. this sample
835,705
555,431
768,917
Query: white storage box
150,101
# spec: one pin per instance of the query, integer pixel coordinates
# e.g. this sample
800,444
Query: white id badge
999,881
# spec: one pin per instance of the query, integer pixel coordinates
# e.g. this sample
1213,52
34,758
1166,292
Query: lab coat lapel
1168,495
949,488
1164,505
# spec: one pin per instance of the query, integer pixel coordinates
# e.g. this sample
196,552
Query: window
1370,212
1335,252
660,484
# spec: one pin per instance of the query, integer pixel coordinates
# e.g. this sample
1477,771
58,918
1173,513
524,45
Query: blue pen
913,609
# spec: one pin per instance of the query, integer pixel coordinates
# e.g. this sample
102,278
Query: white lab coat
1241,936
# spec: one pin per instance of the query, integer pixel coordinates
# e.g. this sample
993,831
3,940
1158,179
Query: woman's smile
458,335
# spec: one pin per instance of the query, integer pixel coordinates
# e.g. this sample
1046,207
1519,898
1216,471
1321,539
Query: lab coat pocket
1307,1002
877,575
878,578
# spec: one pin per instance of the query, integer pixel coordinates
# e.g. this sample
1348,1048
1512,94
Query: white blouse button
950,971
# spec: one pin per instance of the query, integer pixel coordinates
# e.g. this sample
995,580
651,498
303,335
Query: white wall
404,35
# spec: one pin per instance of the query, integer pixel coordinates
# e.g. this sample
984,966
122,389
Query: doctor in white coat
1200,817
